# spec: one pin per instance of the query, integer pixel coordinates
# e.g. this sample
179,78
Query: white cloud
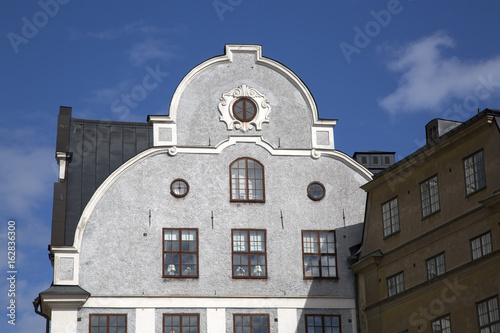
429,79
27,173
107,95
128,29
150,49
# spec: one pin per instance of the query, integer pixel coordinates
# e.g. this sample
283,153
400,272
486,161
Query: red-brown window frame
107,321
172,188
319,254
181,315
313,197
180,252
323,320
249,253
244,118
246,181
251,315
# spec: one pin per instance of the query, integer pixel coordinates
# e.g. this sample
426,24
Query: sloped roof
95,149
470,121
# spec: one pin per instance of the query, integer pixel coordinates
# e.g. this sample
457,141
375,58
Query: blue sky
382,68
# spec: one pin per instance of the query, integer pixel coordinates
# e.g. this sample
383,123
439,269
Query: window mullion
247,183
319,255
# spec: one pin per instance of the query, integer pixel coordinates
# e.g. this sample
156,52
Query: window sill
179,277
247,201
431,214
476,191
393,234
249,277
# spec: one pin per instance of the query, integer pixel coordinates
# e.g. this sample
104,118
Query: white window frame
436,266
488,315
474,173
395,284
390,217
441,324
429,196
481,245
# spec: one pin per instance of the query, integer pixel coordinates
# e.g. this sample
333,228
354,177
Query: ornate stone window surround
227,101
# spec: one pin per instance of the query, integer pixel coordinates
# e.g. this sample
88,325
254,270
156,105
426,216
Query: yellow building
430,258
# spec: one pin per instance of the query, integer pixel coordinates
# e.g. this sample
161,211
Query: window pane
247,180
310,240
486,242
180,252
320,243
390,217
257,241
474,173
251,258
240,241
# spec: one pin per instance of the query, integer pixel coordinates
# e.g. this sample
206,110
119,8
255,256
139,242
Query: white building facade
237,215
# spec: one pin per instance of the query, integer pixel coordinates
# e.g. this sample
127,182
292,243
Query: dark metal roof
95,149
64,290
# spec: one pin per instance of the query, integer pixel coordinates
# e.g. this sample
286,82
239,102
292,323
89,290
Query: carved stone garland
226,108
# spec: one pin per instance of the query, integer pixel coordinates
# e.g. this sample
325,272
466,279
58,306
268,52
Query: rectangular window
475,178
441,325
390,217
435,266
180,252
249,254
319,254
481,245
322,324
186,322
487,312
254,323
108,323
429,196
395,284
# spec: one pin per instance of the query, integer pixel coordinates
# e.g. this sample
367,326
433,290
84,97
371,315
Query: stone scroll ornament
243,91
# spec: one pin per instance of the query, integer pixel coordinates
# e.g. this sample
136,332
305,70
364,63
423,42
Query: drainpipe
36,304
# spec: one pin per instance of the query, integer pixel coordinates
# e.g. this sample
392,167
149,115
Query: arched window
247,180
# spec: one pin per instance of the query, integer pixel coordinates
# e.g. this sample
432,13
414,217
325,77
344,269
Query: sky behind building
382,68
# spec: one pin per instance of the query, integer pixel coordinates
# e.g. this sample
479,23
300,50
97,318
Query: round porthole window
244,109
179,188
316,191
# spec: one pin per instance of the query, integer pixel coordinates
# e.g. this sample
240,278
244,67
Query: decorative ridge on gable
230,49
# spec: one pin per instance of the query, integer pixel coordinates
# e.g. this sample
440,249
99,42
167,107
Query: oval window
179,188
316,191
244,109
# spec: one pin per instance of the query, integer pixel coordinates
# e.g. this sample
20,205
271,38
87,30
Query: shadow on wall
341,314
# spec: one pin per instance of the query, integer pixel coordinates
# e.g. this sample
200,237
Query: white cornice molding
62,302
322,302
233,140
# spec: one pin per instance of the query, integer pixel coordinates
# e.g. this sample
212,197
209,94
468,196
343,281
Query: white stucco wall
116,257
